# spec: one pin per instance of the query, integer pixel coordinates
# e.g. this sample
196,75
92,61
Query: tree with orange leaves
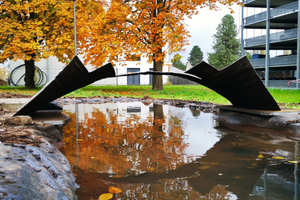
137,27
31,30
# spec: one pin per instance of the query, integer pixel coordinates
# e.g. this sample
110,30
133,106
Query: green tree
226,46
176,62
179,65
196,55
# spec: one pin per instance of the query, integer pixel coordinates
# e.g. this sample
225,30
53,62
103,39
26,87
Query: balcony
282,17
280,40
262,3
280,62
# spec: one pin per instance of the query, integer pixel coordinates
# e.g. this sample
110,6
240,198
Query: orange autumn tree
32,30
152,28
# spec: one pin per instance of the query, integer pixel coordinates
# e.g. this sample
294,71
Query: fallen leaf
114,189
293,161
278,157
204,167
106,196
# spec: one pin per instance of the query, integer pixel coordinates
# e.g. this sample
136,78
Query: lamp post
75,35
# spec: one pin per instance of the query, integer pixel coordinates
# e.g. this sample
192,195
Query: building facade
270,29
51,67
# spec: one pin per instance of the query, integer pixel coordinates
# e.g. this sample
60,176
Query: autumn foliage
43,28
31,30
152,28
107,30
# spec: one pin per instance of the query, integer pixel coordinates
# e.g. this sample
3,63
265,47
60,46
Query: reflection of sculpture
237,82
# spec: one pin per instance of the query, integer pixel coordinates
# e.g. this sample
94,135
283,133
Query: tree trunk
29,73
157,80
158,123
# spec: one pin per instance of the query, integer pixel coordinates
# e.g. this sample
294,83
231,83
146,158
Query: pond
153,151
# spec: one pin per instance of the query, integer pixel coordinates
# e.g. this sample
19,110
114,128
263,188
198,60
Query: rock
147,97
30,166
18,120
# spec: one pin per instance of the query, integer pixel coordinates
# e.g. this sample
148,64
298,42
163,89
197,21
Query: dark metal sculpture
238,82
72,77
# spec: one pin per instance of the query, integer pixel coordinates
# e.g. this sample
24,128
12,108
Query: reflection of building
52,67
272,25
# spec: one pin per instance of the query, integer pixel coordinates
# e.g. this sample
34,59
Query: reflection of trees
170,189
195,113
130,147
144,187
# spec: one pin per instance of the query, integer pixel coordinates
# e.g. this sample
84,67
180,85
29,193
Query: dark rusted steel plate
182,75
72,77
238,82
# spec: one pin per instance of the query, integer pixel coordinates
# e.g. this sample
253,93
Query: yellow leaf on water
114,189
293,161
152,168
106,196
204,167
278,157
260,156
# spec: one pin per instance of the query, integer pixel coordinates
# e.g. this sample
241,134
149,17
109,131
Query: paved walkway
14,101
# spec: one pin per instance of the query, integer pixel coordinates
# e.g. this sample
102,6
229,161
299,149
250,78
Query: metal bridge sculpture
238,82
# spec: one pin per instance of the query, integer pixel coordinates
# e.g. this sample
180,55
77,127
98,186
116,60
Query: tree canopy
226,46
196,55
151,28
106,29
32,30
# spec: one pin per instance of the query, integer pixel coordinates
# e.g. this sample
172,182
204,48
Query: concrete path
14,101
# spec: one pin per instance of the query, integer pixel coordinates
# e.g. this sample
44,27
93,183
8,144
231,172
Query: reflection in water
163,152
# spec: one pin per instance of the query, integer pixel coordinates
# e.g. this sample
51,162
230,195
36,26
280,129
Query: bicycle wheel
42,78
17,76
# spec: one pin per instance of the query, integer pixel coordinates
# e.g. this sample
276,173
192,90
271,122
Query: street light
75,37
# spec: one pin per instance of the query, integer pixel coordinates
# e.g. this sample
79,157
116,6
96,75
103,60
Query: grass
290,98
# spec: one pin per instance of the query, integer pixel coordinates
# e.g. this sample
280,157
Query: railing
248,1
276,61
274,37
285,9
275,12
256,18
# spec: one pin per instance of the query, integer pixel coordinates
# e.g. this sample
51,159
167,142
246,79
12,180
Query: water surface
163,152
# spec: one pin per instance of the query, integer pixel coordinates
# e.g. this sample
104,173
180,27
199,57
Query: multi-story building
271,27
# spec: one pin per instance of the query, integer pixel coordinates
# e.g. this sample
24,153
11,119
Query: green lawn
289,97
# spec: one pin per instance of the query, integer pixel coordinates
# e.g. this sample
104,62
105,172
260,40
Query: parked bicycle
17,76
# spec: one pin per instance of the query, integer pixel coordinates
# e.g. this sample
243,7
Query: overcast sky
203,26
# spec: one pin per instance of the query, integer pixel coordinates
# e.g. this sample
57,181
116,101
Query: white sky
203,26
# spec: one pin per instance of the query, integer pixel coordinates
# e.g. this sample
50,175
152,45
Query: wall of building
51,67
